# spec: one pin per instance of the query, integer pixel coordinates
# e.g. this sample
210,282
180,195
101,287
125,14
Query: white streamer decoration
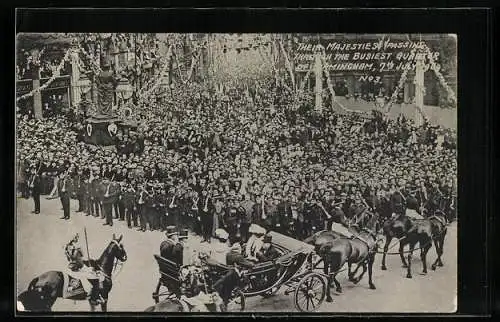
89,129
50,80
435,67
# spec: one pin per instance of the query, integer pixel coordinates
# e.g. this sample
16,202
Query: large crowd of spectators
243,146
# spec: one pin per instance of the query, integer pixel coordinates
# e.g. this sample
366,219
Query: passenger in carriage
268,252
255,242
219,248
235,257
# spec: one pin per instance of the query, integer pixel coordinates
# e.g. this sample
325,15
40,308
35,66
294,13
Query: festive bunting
50,80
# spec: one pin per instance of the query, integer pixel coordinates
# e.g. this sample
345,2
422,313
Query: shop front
24,106
56,97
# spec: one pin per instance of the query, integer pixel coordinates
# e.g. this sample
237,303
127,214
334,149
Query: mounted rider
83,272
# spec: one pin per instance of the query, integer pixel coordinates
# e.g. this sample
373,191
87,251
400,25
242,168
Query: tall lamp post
318,71
124,91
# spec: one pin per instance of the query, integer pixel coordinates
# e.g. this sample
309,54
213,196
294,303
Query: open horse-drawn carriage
293,269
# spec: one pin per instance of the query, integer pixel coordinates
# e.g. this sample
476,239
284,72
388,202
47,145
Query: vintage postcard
176,172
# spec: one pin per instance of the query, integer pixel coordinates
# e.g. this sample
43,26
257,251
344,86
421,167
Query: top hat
171,231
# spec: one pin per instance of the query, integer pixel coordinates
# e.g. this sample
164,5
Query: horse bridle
115,264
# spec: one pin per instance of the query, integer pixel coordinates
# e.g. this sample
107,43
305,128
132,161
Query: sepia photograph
236,172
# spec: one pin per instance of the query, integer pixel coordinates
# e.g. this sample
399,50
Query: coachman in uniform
172,248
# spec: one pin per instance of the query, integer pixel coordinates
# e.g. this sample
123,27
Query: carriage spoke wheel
310,293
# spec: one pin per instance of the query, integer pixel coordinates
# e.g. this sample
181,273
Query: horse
322,237
360,250
438,230
411,231
44,289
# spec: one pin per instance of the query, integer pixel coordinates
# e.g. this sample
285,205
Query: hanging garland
394,96
330,87
194,60
435,68
50,80
288,64
440,76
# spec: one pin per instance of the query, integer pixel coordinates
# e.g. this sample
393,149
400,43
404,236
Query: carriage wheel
310,293
156,296
166,293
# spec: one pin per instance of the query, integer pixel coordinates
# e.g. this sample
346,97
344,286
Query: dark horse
411,231
360,250
43,290
322,237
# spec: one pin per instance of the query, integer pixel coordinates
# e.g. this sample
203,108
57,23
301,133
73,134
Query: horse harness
370,247
438,218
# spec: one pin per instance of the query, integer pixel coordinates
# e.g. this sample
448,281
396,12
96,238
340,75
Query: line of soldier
153,205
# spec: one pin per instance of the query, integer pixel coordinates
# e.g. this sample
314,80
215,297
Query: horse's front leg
410,255
338,288
441,247
402,244
349,271
363,264
386,248
328,281
423,255
371,259
92,306
104,306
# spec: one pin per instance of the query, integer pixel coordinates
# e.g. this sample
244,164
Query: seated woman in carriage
255,242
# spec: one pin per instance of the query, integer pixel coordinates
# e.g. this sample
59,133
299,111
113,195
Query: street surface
40,248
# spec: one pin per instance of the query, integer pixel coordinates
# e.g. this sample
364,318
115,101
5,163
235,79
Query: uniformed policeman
161,205
34,187
129,205
205,213
109,199
79,181
65,188
95,192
